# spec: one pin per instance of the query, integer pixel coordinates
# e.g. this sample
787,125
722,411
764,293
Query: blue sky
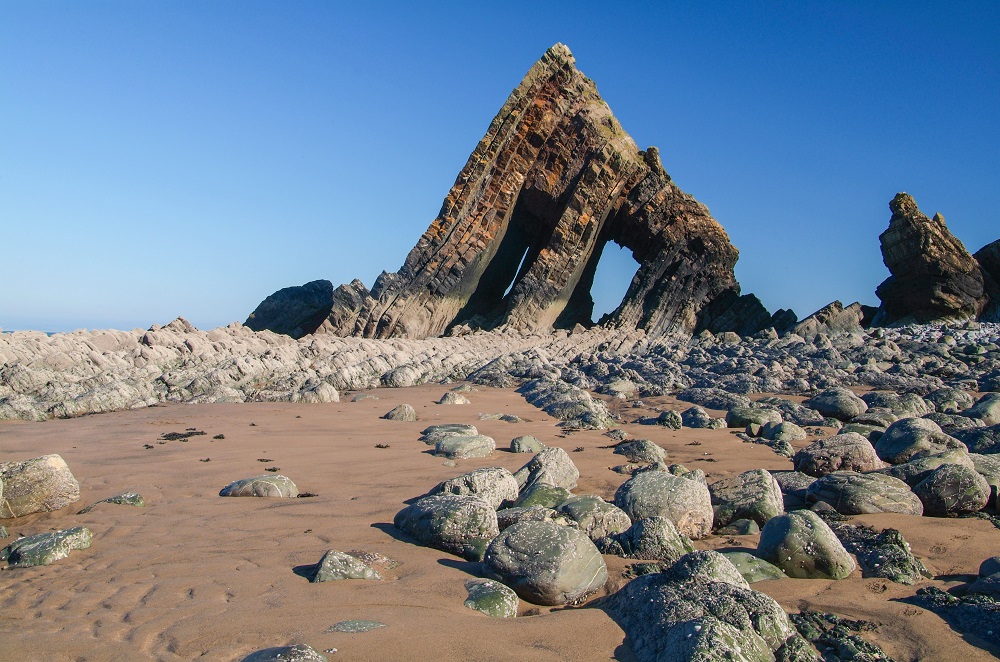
189,158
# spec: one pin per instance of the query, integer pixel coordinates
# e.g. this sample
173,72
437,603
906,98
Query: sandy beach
193,575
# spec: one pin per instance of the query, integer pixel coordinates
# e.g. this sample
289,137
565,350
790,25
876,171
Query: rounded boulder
545,563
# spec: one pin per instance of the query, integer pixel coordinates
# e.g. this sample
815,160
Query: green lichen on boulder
492,598
953,489
804,547
753,568
545,563
337,565
46,548
461,525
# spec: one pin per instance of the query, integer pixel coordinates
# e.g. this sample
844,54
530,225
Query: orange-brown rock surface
520,234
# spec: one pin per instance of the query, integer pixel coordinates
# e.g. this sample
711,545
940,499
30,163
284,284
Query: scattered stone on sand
46,548
461,525
546,564
123,499
687,503
739,527
842,452
293,653
461,447
359,397
641,451
435,433
853,493
337,565
261,486
492,598
803,546
355,626
402,412
41,484
753,495
452,398
495,485
526,444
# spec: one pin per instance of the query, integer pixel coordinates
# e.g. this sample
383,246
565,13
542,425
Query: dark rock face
294,311
553,183
933,276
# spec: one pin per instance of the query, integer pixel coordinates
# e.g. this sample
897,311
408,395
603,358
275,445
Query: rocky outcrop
933,277
988,258
554,181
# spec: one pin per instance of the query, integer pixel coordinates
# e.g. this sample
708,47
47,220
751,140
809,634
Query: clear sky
190,157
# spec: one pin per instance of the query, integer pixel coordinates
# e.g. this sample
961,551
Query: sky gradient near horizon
188,158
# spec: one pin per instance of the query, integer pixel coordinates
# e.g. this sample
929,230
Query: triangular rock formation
520,234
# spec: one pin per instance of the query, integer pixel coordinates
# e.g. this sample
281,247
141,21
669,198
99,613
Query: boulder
436,433
462,525
542,494
752,568
337,565
794,485
922,464
987,409
933,278
402,412
595,516
740,417
658,613
41,484
803,546
46,548
293,653
452,398
953,489
268,485
852,493
909,436
784,431
526,444
510,516
842,452
551,466
697,417
642,451
948,400
753,495
461,447
984,440
545,563
686,503
492,598
653,539
494,485
839,403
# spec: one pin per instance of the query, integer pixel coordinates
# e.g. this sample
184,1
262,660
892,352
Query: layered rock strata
933,277
554,181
